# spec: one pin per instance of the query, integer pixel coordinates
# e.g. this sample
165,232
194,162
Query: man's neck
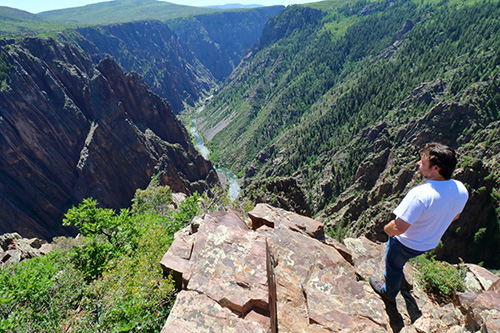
436,177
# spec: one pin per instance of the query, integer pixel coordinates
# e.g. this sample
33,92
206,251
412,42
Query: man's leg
397,255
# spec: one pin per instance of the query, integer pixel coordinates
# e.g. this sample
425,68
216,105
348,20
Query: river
234,188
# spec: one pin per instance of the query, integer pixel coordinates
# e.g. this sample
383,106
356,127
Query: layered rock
153,50
71,130
220,40
279,272
14,248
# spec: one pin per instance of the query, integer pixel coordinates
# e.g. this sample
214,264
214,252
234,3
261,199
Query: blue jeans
396,256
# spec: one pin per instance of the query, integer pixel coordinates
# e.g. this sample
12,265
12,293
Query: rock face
153,50
71,130
180,60
281,274
14,248
220,40
281,192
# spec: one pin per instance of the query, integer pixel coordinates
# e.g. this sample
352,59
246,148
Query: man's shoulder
461,187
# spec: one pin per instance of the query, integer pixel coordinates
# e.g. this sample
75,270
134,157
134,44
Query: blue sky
37,6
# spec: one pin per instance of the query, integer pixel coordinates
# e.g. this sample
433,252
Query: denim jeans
396,256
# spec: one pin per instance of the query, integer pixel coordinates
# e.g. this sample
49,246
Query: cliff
182,59
151,49
71,130
278,271
221,40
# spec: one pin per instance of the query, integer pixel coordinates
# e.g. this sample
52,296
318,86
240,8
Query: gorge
319,110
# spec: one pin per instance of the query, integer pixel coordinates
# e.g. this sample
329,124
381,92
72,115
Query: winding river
234,188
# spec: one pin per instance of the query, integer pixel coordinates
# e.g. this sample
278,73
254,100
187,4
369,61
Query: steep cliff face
70,130
153,50
219,40
181,63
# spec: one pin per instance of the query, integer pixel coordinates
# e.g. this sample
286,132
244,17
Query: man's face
424,167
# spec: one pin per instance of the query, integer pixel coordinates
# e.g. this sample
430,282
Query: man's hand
396,227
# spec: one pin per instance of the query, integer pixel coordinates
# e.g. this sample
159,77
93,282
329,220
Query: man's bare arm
456,217
396,227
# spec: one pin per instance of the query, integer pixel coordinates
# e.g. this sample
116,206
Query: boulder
483,277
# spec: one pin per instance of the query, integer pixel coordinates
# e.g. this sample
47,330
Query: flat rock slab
229,265
317,288
277,218
196,312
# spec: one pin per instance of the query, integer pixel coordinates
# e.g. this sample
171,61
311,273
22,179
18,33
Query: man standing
422,217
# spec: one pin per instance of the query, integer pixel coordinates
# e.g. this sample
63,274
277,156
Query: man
422,217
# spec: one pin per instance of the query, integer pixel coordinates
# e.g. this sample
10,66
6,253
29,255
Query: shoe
377,287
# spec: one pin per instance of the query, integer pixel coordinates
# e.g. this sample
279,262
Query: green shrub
109,280
440,279
153,199
40,294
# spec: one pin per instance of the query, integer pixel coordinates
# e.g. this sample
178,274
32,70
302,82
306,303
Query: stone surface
196,312
366,256
229,265
226,268
14,248
483,276
277,218
495,286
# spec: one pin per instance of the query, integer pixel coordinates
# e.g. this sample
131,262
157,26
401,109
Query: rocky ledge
279,271
14,248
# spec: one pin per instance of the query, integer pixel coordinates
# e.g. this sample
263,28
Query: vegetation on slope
123,11
107,280
315,99
19,22
322,89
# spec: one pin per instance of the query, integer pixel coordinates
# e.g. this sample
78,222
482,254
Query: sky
37,6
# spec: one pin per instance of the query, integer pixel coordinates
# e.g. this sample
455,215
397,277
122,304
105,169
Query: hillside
338,98
123,11
18,22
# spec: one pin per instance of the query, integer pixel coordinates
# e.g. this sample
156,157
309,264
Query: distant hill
17,22
17,14
234,6
123,11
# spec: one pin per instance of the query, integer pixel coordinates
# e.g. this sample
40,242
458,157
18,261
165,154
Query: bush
110,280
40,294
440,279
156,199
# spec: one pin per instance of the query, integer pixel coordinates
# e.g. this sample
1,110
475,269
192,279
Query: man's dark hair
442,156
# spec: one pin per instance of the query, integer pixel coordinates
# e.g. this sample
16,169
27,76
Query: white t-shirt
430,208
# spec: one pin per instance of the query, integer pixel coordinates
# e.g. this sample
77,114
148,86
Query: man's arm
396,227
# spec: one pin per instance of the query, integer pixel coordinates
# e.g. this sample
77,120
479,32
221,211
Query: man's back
430,208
